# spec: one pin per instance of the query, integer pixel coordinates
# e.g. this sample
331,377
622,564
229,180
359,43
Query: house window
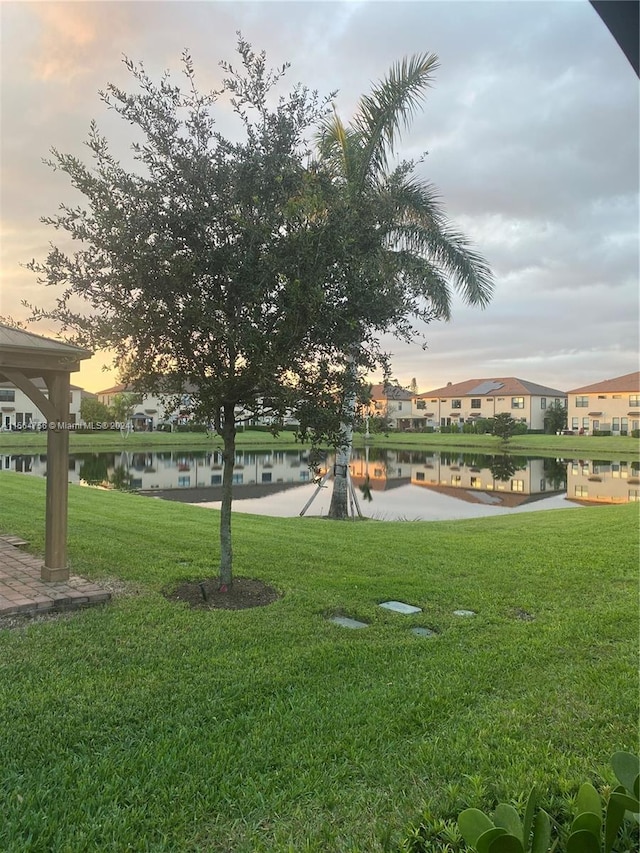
574,423
420,476
421,404
304,476
582,402
238,479
634,400
624,424
216,479
399,407
615,425
634,495
585,423
7,395
543,402
581,492
517,485
476,404
184,481
517,402
266,476
456,480
456,404
602,396
476,483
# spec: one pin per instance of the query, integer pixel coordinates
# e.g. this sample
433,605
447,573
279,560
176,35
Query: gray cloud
531,127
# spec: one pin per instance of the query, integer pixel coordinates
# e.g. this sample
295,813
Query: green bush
595,828
635,433
602,432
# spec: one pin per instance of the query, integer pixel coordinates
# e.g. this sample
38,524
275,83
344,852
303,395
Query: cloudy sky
531,128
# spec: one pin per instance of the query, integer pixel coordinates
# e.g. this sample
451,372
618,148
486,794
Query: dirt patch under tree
205,595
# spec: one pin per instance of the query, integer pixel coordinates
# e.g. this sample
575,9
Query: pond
402,484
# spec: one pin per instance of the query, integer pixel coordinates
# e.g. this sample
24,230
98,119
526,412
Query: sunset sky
531,131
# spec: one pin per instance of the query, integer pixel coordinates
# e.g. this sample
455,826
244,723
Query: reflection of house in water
603,482
178,469
501,481
386,469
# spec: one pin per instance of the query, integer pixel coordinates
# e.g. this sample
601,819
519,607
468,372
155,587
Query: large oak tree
209,263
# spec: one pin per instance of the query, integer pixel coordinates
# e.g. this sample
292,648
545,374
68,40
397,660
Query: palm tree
402,247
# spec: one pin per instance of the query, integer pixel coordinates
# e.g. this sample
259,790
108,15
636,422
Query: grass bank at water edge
146,726
568,446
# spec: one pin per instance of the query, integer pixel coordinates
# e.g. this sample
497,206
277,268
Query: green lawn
145,726
609,447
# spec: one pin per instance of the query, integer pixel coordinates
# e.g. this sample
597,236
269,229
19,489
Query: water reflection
406,484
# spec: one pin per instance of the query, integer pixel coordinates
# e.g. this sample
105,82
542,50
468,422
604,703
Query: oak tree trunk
228,458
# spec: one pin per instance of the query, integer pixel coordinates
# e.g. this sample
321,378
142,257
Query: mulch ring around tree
205,594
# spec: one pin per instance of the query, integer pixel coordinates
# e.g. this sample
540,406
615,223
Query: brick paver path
22,590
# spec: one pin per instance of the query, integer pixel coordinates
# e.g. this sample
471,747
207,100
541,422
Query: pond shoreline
601,447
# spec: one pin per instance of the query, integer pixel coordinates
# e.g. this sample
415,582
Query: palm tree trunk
228,458
339,506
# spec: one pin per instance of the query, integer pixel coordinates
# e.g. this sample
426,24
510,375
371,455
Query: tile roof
504,386
381,391
621,384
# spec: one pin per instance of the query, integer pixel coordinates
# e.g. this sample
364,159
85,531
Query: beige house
391,403
18,412
468,401
148,412
612,406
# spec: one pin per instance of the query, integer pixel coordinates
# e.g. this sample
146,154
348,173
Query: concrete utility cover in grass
400,607
345,622
464,613
423,632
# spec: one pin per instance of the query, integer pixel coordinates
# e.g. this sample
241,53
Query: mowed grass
146,726
570,446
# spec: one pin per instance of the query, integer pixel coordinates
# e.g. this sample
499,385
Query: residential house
18,412
465,402
612,405
392,404
149,410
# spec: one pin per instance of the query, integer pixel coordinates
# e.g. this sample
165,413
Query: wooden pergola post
24,357
55,547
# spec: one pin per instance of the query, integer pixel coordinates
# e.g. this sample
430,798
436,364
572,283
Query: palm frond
336,145
420,226
390,107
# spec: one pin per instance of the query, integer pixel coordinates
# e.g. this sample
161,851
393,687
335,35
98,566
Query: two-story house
18,412
468,401
392,404
612,405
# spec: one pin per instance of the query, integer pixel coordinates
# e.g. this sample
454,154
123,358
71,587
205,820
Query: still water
402,484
